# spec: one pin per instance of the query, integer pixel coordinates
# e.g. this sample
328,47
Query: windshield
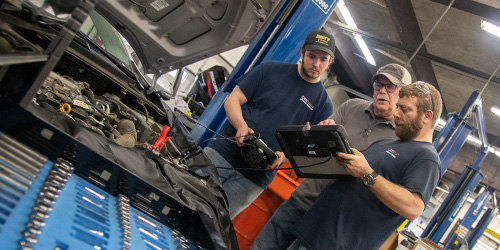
107,37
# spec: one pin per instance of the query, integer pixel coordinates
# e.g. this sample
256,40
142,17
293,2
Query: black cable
197,150
214,132
274,169
146,112
233,139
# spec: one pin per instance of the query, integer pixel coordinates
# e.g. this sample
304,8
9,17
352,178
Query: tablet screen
312,152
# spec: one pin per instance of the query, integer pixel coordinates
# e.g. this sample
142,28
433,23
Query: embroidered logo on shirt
307,102
392,153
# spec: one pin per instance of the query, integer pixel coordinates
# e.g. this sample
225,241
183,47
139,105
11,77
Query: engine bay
95,93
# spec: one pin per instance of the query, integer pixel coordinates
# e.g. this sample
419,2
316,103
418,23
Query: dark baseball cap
320,40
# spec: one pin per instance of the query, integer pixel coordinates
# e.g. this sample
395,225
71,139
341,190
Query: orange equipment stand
250,221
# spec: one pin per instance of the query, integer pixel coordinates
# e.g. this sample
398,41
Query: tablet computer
312,152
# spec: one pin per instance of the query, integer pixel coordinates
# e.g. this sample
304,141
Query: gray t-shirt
363,128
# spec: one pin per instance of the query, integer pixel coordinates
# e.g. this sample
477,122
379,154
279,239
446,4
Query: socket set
44,205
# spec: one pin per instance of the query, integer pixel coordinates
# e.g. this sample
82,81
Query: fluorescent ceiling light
361,42
495,110
474,140
493,29
477,142
364,48
491,150
347,16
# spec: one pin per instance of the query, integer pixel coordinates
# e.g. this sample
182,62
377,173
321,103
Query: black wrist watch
369,179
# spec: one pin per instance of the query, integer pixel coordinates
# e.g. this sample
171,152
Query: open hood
169,34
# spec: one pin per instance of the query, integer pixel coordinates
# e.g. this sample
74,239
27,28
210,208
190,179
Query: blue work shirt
347,215
276,95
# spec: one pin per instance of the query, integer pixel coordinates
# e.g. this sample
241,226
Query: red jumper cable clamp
160,142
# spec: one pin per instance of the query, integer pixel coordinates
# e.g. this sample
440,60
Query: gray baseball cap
396,73
320,40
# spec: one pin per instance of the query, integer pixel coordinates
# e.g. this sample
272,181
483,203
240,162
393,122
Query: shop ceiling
458,57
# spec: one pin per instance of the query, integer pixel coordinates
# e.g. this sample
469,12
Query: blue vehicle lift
460,235
448,142
481,226
280,41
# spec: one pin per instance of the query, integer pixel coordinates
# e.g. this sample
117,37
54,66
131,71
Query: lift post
481,226
448,143
280,41
449,209
460,235
453,136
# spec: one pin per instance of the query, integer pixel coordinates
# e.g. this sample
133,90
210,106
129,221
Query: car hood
169,34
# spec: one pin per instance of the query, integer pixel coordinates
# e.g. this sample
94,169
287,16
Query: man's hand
398,198
325,122
280,157
355,164
241,133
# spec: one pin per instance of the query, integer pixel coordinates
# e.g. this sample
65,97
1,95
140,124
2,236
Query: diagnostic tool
312,152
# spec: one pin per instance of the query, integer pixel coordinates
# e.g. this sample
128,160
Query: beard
304,71
408,131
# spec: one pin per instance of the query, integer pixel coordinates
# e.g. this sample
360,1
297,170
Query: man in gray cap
365,123
275,94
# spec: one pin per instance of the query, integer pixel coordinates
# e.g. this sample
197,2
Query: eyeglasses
389,87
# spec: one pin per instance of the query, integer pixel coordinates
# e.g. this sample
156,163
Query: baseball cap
320,40
396,73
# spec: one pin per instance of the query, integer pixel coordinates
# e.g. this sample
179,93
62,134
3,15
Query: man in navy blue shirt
394,181
275,94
